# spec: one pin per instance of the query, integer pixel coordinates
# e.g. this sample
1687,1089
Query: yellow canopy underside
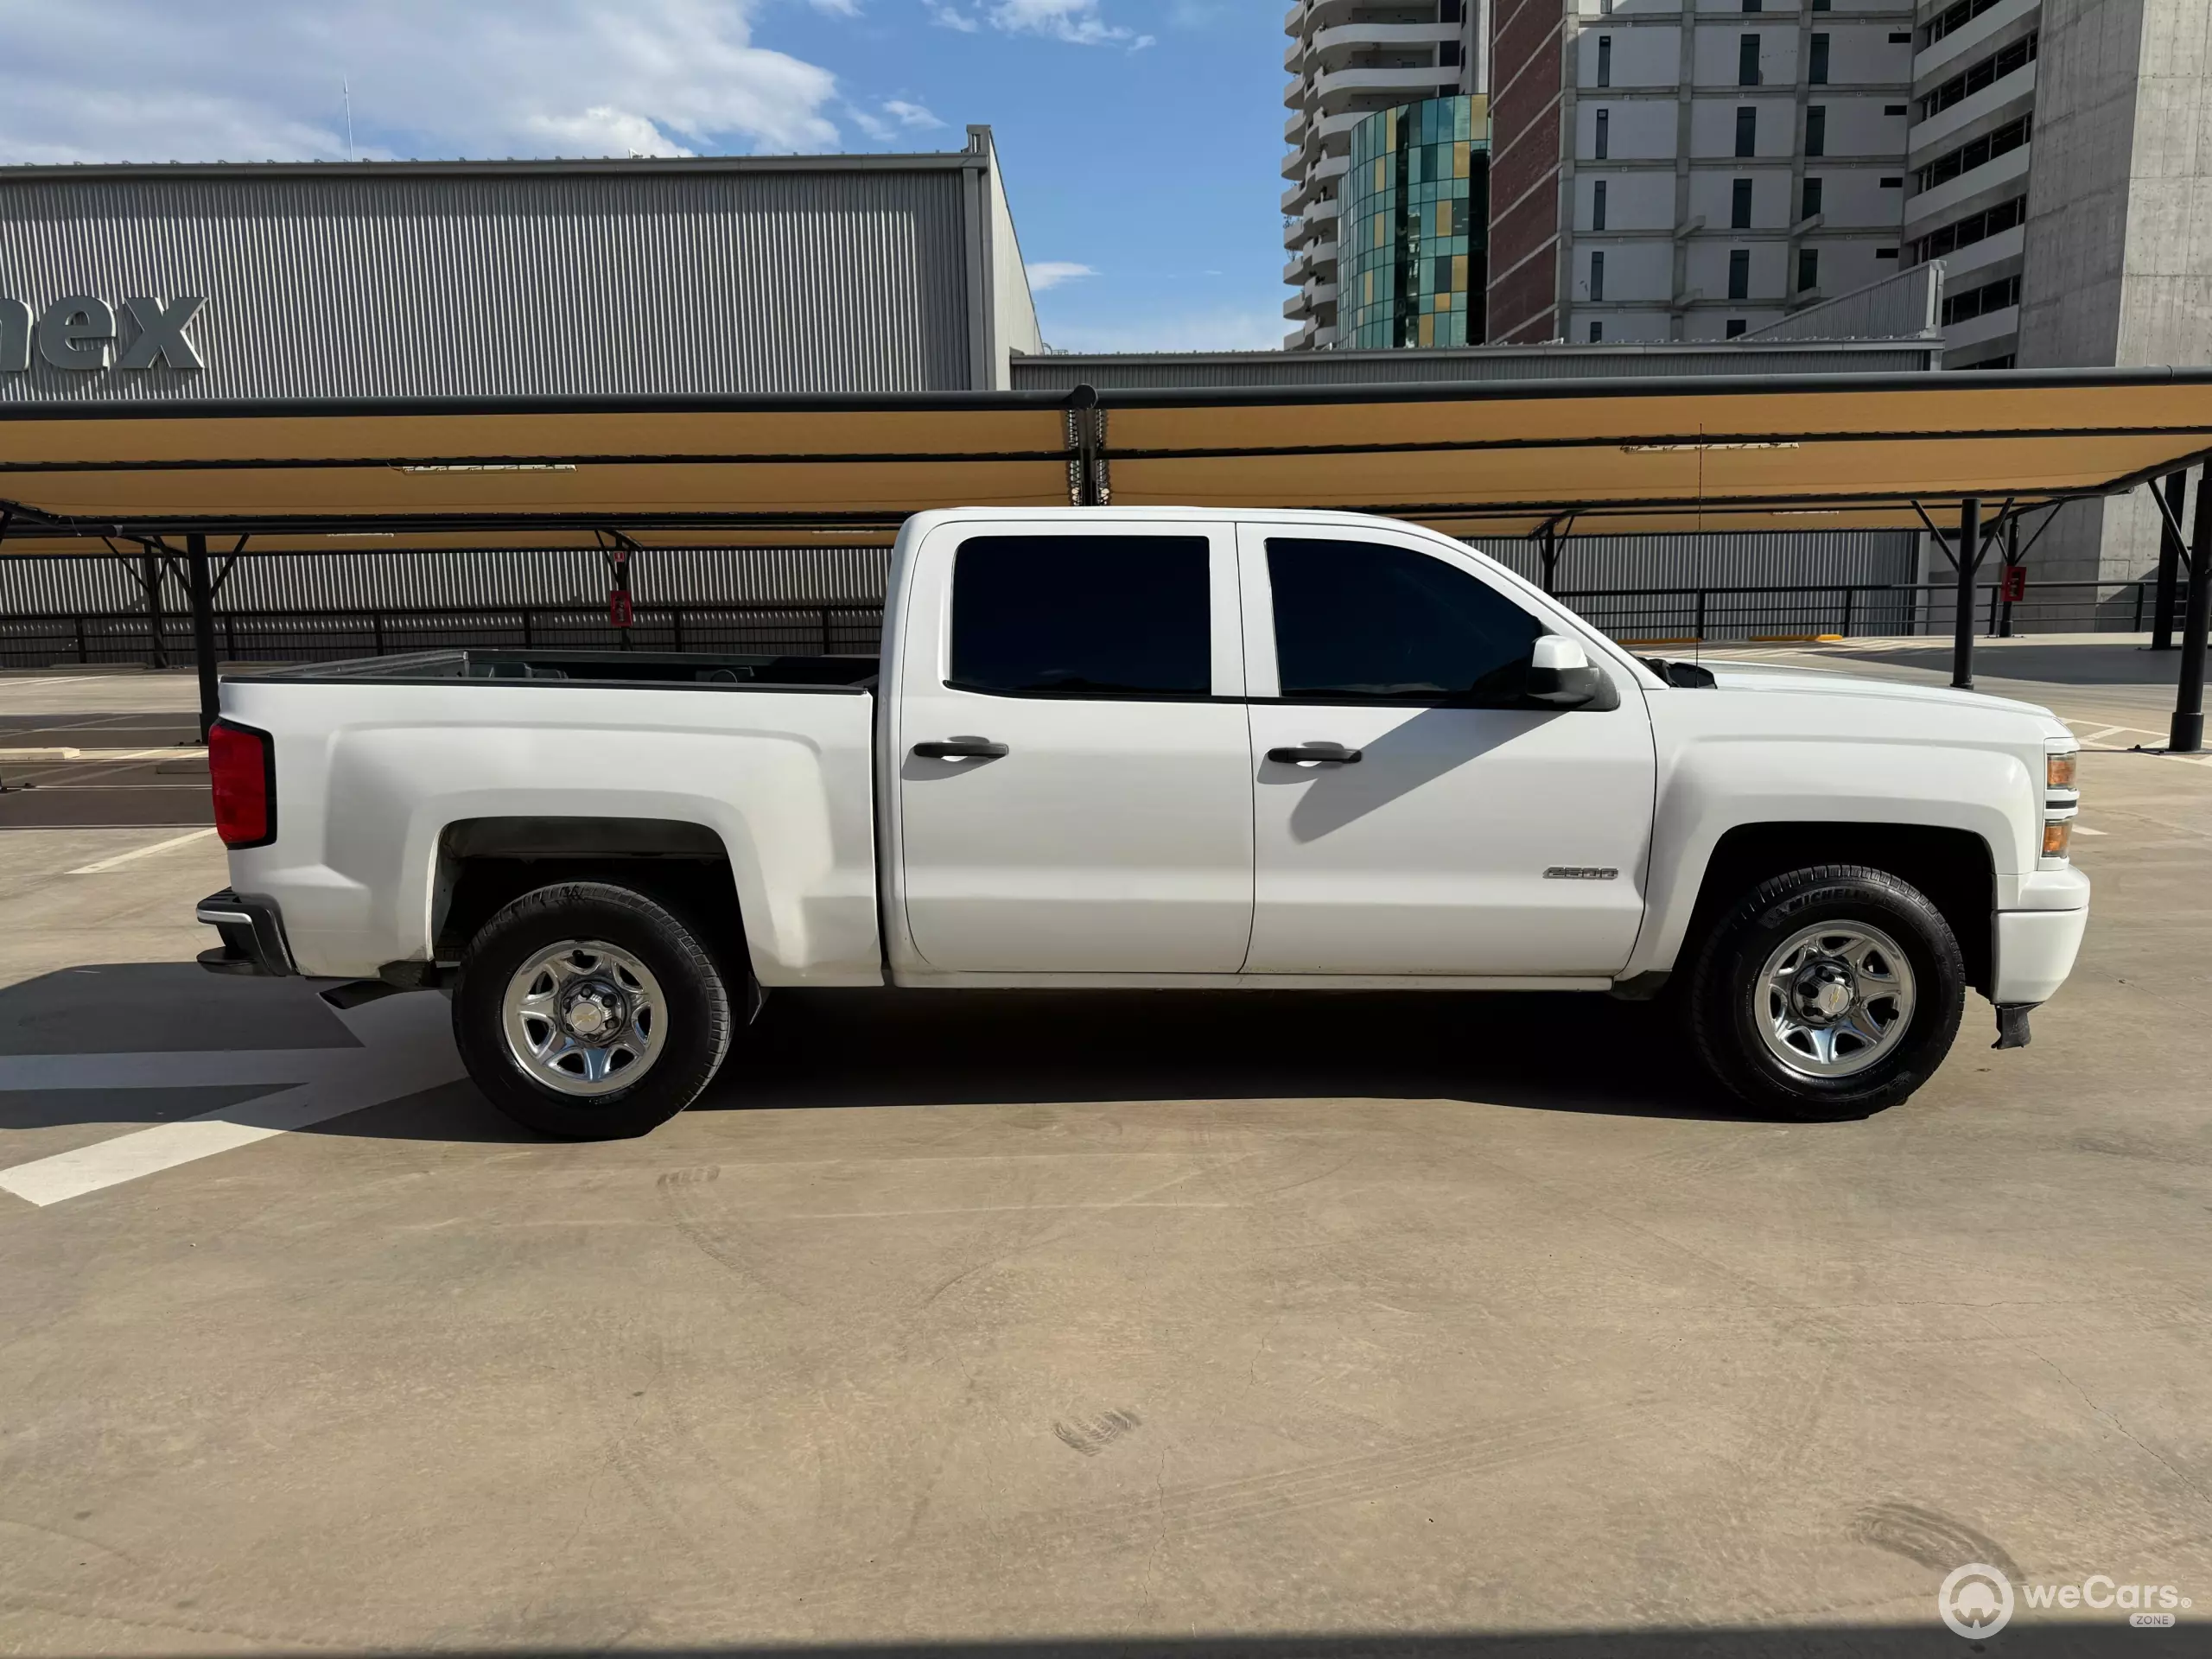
1493,460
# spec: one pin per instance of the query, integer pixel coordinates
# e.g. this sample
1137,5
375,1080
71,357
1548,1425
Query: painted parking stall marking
407,1047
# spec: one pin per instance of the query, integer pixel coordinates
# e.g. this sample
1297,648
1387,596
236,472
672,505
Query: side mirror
1560,674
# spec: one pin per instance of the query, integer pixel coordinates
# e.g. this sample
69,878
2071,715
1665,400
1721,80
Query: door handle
1334,755
960,748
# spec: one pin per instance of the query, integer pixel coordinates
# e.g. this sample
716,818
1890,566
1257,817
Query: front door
1075,779
1473,835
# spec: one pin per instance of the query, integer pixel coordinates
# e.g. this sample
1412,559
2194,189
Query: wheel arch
1953,867
485,864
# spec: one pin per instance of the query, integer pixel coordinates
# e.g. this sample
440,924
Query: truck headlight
2061,799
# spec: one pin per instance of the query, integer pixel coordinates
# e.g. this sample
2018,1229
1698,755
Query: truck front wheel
587,1012
1827,993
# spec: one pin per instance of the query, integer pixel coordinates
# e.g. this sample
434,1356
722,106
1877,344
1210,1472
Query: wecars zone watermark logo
1978,1600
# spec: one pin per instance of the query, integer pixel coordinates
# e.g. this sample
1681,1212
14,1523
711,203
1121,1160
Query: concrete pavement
1388,1325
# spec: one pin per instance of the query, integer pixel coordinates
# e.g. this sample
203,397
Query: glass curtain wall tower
1414,227
1350,59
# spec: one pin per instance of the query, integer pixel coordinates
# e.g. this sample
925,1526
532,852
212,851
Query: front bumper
252,931
2035,953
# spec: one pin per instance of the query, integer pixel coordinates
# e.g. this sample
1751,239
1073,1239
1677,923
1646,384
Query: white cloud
258,79
1050,273
605,130
897,117
911,114
1079,22
873,125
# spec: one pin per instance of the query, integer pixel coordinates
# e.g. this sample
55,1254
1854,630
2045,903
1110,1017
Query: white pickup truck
1149,747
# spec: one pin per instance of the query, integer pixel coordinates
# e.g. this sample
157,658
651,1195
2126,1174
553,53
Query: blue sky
1140,138
1154,165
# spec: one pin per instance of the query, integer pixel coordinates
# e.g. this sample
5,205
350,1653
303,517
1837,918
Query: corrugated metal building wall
428,279
500,577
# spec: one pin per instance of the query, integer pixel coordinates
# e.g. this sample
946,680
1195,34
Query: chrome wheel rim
1833,999
584,1019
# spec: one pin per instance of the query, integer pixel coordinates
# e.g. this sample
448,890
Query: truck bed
381,766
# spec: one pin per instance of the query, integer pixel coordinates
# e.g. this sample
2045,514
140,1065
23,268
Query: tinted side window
1361,622
1078,616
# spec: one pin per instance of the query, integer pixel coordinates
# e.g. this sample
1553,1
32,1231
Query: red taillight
242,763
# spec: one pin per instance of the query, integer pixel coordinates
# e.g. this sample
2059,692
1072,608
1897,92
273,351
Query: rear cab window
1083,616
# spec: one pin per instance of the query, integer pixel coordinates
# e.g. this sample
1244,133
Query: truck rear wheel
1827,993
588,1012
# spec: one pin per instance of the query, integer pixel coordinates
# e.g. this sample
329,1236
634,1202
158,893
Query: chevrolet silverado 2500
1149,747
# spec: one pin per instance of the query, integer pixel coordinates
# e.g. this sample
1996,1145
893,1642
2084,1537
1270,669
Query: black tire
696,1022
1725,997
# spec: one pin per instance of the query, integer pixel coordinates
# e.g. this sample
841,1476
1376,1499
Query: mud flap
2012,1025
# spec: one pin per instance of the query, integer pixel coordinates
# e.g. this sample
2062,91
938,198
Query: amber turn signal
2057,836
2058,771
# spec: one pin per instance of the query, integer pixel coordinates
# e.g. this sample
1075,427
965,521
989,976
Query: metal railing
1638,615
1692,615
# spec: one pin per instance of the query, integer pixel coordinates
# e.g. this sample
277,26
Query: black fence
1639,615
1694,615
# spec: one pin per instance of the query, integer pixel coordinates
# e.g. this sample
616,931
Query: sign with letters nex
85,333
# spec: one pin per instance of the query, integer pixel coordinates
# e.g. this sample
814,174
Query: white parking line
407,1048
2156,753
121,859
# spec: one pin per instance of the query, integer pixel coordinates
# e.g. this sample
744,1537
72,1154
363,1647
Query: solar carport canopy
1499,460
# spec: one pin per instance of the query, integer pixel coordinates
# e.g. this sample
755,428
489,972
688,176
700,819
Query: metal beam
2170,542
2188,733
230,561
201,587
2040,528
149,578
1084,414
1916,382
1662,439
1962,628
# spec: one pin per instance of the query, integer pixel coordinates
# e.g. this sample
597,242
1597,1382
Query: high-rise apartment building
1349,59
2113,263
1968,157
1689,170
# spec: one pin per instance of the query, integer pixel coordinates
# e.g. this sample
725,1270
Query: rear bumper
252,931
2035,952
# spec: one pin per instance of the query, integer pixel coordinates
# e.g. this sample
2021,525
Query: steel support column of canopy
2162,614
2188,733
149,577
1968,561
201,587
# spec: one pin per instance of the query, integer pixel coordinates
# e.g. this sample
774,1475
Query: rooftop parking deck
1024,1319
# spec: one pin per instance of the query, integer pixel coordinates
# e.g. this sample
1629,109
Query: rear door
1472,835
1075,777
